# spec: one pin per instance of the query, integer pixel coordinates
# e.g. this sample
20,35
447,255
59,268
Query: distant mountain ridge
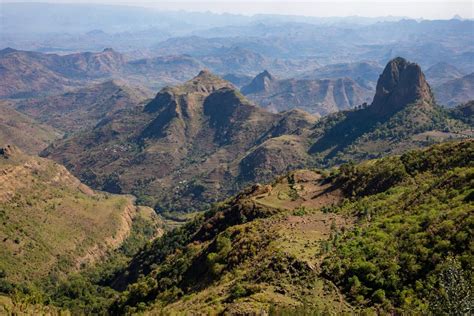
83,108
364,73
316,96
442,72
456,91
30,74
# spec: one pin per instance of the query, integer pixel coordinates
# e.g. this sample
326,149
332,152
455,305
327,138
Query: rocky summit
401,83
259,84
402,115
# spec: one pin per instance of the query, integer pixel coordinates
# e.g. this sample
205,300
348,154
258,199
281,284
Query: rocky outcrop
401,83
8,151
190,140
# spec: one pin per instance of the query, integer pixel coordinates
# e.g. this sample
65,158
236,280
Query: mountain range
225,164
29,74
198,142
456,91
83,108
442,72
183,127
319,97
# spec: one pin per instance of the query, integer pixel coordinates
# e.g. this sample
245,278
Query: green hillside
53,225
387,235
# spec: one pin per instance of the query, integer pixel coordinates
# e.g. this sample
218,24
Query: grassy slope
19,129
51,223
392,223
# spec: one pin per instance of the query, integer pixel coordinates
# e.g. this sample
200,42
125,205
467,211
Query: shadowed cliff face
400,84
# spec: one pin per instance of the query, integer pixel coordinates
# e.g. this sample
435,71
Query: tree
454,295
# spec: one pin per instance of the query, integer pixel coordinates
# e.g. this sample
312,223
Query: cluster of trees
412,227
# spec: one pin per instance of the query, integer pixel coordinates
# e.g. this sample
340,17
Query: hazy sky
429,9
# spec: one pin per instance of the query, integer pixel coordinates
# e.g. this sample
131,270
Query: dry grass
51,222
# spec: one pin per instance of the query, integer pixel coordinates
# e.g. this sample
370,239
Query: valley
160,162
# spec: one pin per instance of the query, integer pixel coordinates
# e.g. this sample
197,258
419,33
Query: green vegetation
391,235
358,135
52,224
85,291
413,218
55,229
407,228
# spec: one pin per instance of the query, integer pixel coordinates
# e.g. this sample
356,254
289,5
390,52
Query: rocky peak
202,85
260,83
205,82
400,84
204,73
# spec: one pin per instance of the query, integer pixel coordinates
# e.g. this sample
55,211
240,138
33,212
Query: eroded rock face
400,84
